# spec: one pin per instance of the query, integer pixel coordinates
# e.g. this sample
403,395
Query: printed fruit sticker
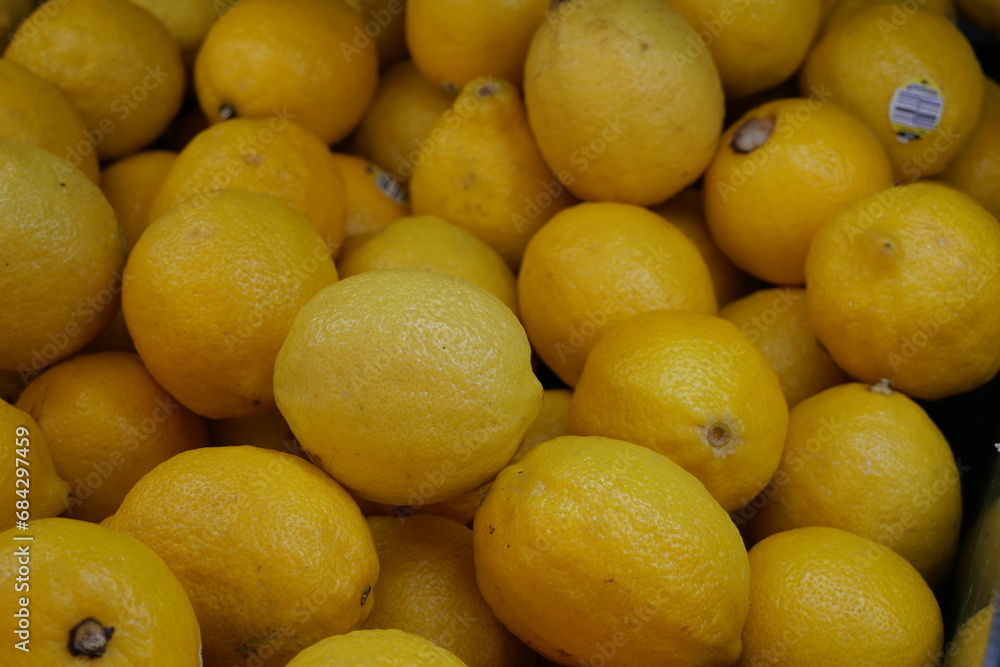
915,109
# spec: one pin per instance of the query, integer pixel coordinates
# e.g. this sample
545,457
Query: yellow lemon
107,423
783,170
434,244
385,648
187,20
427,586
293,56
407,386
756,45
693,388
777,321
976,170
595,265
211,291
552,422
29,480
685,212
62,255
94,597
114,60
673,591
399,118
844,467
842,9
910,75
821,597
903,285
273,156
968,647
623,109
131,184
480,168
374,196
221,517
35,111
455,41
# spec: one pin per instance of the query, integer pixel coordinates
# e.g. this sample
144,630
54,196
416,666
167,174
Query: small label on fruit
388,185
915,109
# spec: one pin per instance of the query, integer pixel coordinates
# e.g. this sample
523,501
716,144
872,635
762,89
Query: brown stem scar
89,638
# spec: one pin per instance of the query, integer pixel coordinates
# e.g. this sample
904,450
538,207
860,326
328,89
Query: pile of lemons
445,332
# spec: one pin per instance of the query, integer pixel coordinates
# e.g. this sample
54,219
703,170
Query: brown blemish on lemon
89,638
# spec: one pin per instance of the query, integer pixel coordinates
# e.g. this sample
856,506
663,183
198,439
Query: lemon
881,62
976,170
107,423
40,492
693,388
685,212
479,167
673,591
302,58
95,596
37,112
115,62
595,265
131,184
776,320
755,45
374,196
782,170
622,108
455,41
399,118
903,286
823,597
187,20
274,156
434,244
842,9
407,386
968,647
427,586
224,516
210,293
62,255
552,422
843,467
386,648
